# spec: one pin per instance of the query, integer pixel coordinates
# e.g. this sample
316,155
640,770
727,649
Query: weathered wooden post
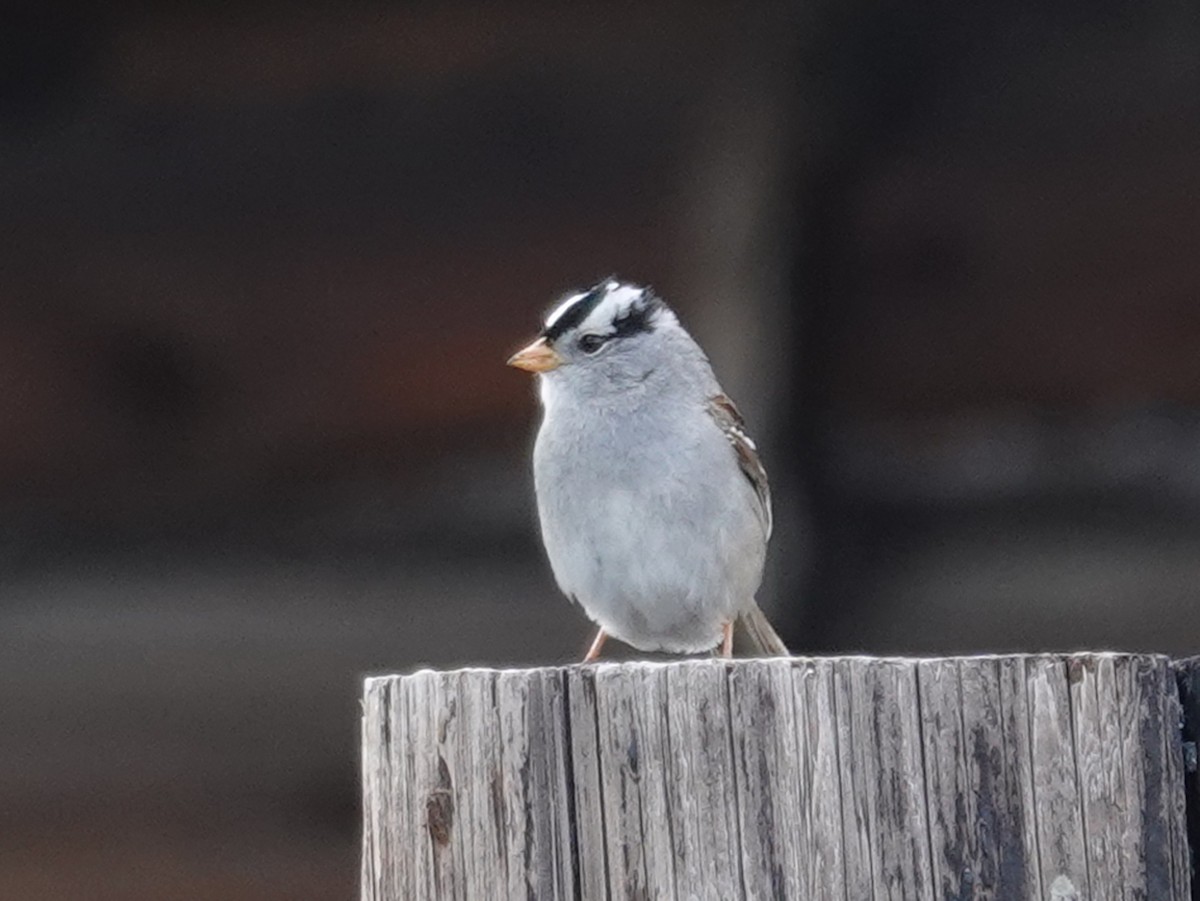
1055,777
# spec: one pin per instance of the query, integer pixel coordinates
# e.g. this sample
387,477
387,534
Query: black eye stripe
639,317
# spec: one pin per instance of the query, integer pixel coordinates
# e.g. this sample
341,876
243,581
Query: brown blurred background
261,265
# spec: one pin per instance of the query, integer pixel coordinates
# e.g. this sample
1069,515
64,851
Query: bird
654,506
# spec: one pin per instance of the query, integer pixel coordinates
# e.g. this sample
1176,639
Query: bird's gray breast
648,521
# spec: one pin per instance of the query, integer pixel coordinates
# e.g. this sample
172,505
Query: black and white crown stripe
611,308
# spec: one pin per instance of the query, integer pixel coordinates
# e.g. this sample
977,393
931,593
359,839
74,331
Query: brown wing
721,409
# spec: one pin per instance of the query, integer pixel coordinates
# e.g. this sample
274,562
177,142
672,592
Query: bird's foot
593,653
726,641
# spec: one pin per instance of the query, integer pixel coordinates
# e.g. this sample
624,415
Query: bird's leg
597,643
727,640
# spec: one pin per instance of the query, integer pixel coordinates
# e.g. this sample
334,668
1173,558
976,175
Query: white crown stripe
558,311
617,300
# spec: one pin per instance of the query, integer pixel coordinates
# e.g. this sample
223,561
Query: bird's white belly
653,564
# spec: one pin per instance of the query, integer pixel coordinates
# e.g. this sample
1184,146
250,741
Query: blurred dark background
261,266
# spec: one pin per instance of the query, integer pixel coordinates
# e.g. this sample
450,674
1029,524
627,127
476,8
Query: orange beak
537,357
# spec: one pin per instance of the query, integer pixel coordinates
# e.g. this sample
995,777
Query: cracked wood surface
999,778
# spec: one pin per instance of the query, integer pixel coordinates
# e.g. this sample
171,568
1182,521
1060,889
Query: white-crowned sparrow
654,507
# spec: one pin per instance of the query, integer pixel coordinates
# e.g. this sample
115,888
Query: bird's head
613,333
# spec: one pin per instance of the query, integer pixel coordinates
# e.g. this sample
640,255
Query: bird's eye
589,344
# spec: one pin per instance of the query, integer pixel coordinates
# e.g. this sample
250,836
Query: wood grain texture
1187,673
885,823
997,778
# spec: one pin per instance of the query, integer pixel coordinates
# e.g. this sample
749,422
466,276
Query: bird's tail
757,635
